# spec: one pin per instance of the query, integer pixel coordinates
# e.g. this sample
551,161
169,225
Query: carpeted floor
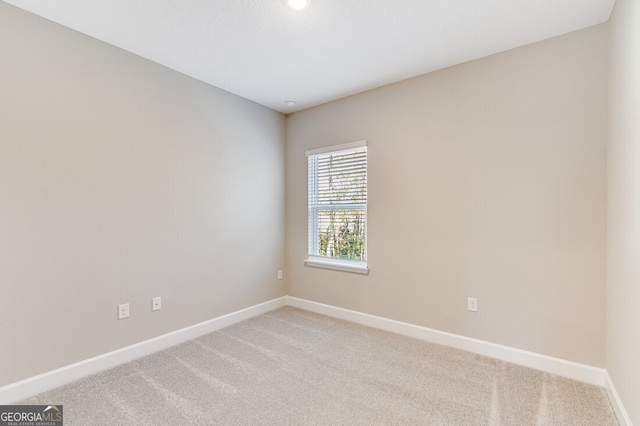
293,367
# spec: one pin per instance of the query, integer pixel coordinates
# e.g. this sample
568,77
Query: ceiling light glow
298,4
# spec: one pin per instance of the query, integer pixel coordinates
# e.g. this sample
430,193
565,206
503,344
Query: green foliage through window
342,234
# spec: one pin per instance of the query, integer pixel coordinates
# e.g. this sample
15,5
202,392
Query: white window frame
313,259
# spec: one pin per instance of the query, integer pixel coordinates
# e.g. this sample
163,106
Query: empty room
292,212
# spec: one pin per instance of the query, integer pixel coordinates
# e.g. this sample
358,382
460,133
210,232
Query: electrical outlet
156,303
123,311
472,304
279,274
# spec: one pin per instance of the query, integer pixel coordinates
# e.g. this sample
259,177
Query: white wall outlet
472,304
279,274
123,311
156,303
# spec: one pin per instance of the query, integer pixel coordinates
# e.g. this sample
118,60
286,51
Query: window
338,207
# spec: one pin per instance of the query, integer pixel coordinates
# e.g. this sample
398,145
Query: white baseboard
25,388
616,402
573,370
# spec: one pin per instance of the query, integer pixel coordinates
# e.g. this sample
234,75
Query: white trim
616,402
25,388
341,147
354,266
570,369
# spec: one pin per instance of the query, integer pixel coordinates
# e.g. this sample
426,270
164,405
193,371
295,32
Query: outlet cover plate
123,311
472,304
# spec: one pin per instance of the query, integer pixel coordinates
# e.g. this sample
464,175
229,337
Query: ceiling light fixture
298,4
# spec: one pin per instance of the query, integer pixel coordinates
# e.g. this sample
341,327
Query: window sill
353,266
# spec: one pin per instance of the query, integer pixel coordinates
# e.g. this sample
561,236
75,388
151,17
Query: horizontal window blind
338,203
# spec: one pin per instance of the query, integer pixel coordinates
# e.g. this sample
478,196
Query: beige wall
487,179
623,278
121,180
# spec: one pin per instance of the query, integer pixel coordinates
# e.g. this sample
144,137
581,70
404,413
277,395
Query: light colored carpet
293,367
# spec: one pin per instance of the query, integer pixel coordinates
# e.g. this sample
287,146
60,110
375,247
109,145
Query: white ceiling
263,51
